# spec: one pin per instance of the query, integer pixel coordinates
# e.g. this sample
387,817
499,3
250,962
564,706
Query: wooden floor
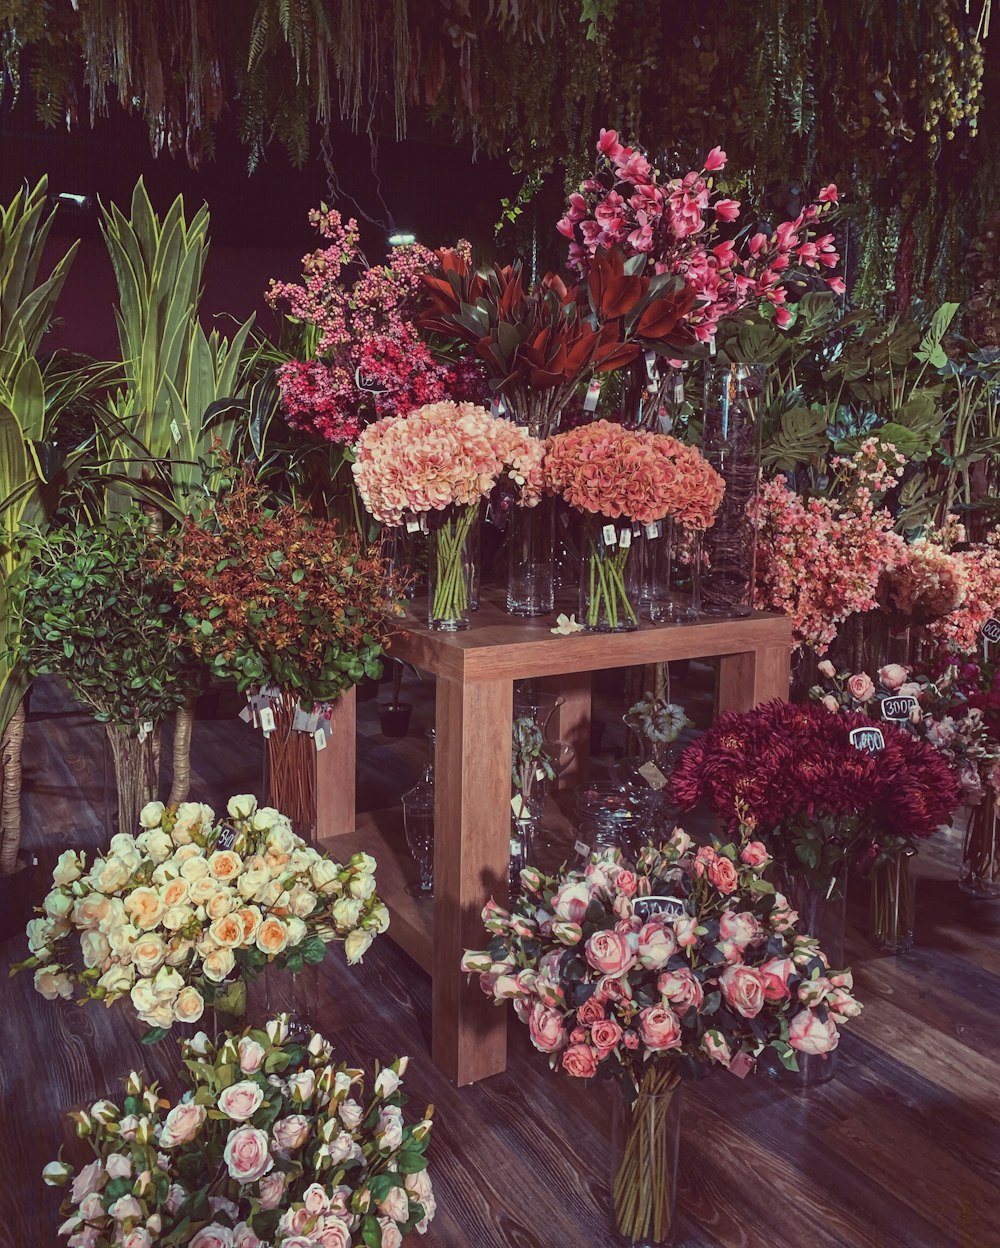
902,1150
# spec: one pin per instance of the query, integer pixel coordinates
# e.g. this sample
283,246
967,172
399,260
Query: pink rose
807,1034
246,1155
605,1036
717,1047
782,917
119,1166
334,1233
627,882
291,1132
682,989
892,676
659,1028
395,1204
251,1056
271,1189
391,1236
213,1236
567,933
657,944
570,903
685,931
241,1100
723,875
775,973
830,703
592,1011
243,1237
842,1005
631,1040
743,988
740,926
814,991
580,1060
182,1124
703,859
609,953
754,854
139,1237
826,669
315,1199
545,1026
611,988
88,1180
860,686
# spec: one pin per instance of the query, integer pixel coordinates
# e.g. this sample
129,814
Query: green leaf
154,1035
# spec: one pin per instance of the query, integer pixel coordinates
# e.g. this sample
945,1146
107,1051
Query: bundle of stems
291,768
643,1186
608,595
451,587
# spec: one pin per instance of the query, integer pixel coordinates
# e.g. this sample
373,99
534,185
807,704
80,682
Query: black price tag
898,707
991,630
868,739
226,838
646,908
366,383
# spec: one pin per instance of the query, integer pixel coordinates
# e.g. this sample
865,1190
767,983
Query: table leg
471,855
571,723
335,772
746,680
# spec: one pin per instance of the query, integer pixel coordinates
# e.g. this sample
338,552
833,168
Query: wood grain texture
335,771
901,1150
571,723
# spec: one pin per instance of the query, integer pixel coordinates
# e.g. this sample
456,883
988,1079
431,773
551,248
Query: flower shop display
99,615
293,610
270,1143
431,470
820,803
651,969
618,478
180,916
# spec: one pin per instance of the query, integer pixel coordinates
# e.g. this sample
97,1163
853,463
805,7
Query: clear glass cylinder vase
645,1148
893,908
676,580
451,568
530,579
731,442
980,871
606,602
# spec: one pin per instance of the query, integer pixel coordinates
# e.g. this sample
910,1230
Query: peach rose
241,1101
659,1028
225,865
218,964
743,988
227,931
580,1060
860,686
90,911
609,952
272,936
246,1155
271,1189
723,875
250,917
291,1132
219,904
189,1005
182,1124
202,890
545,1026
174,893
145,907
807,1034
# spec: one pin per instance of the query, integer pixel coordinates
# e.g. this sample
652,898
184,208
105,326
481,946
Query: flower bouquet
819,802
271,1144
649,970
178,917
431,470
620,478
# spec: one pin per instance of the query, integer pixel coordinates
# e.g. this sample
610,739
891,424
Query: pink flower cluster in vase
675,224
605,469
979,566
606,978
368,359
442,454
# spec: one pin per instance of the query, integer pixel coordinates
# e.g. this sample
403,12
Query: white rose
301,901
220,903
179,952
241,806
194,868
117,980
158,846
68,868
168,983
161,1015
95,948
364,863
165,872
177,917
253,877
324,874
265,818
357,945
40,933
148,954
217,964
111,874
143,996
151,815
346,911
123,845
57,905
362,886
378,917
296,929
113,916
52,984
281,839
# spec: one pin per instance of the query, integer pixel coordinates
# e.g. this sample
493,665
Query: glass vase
677,558
607,817
530,580
605,603
893,904
980,870
452,567
645,1147
645,779
294,993
731,443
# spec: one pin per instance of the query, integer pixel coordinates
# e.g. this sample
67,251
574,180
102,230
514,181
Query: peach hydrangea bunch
929,582
608,470
686,955
179,915
270,1144
442,454
979,566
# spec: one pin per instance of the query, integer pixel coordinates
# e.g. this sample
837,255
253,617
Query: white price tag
582,850
319,736
652,531
653,776
175,431
610,535
246,715
539,773
625,539
266,719
593,394
413,526
517,806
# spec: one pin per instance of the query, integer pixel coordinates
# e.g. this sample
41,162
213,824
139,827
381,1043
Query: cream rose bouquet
271,1145
181,915
649,970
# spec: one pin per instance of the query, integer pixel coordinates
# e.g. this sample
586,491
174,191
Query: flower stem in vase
647,1138
451,571
605,606
980,874
892,905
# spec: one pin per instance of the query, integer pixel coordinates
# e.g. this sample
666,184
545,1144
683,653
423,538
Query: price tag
266,720
653,776
898,708
246,715
319,736
678,390
582,850
300,722
226,838
670,907
145,728
175,431
711,346
366,383
636,529
991,630
742,1065
870,740
539,773
593,394
610,535
413,525
517,806
625,539
497,407
652,531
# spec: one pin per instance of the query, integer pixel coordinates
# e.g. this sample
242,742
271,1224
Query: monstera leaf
800,438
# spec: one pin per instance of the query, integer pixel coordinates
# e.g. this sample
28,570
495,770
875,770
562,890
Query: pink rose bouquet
645,970
270,1144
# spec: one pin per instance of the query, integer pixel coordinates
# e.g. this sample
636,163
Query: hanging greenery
885,96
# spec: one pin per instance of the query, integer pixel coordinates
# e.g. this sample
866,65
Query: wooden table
475,671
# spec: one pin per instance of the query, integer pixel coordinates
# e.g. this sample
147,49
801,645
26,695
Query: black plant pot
395,719
367,689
